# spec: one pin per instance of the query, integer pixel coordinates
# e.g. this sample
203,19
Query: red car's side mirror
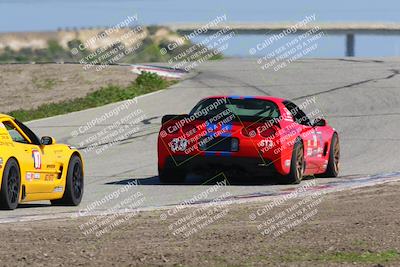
320,122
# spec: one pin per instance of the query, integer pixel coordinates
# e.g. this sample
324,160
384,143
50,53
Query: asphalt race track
359,97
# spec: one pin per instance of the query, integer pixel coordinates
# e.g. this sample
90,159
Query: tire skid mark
333,186
390,76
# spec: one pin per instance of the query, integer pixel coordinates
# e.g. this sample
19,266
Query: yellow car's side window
16,136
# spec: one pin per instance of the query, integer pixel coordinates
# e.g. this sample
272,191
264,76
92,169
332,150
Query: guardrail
347,29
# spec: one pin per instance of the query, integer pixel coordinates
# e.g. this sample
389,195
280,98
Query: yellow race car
34,169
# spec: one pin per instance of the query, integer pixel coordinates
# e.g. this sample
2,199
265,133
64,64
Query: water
40,15
329,46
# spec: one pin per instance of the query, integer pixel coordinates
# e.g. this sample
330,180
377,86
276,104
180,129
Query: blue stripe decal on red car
211,126
226,127
226,134
235,97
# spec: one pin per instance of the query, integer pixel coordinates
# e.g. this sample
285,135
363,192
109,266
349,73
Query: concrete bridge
347,29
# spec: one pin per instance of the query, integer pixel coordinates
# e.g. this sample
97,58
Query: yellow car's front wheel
9,193
74,185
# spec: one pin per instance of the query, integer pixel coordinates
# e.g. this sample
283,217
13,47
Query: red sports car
247,136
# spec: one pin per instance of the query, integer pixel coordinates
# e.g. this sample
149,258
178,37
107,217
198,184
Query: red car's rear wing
187,117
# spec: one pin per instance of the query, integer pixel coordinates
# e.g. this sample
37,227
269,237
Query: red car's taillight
268,133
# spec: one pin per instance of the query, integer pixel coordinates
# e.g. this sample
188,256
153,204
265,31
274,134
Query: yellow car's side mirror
47,140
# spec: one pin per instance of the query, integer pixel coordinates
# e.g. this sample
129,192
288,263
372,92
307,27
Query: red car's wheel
332,170
297,164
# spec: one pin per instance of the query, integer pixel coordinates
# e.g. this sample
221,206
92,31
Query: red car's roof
270,98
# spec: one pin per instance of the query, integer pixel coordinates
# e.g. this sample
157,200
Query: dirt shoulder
358,227
30,85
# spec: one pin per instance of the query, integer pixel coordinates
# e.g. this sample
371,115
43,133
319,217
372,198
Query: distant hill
93,44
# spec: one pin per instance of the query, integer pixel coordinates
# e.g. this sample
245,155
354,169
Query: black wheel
74,185
332,169
171,176
296,164
10,185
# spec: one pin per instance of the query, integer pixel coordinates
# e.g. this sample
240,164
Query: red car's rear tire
296,164
332,169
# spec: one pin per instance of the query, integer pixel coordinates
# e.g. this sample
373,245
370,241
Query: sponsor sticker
320,151
49,178
58,189
29,176
309,151
37,176
315,140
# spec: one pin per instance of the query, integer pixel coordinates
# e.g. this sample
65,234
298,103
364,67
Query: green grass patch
217,57
145,83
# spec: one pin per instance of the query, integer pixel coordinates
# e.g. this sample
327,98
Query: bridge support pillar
350,45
